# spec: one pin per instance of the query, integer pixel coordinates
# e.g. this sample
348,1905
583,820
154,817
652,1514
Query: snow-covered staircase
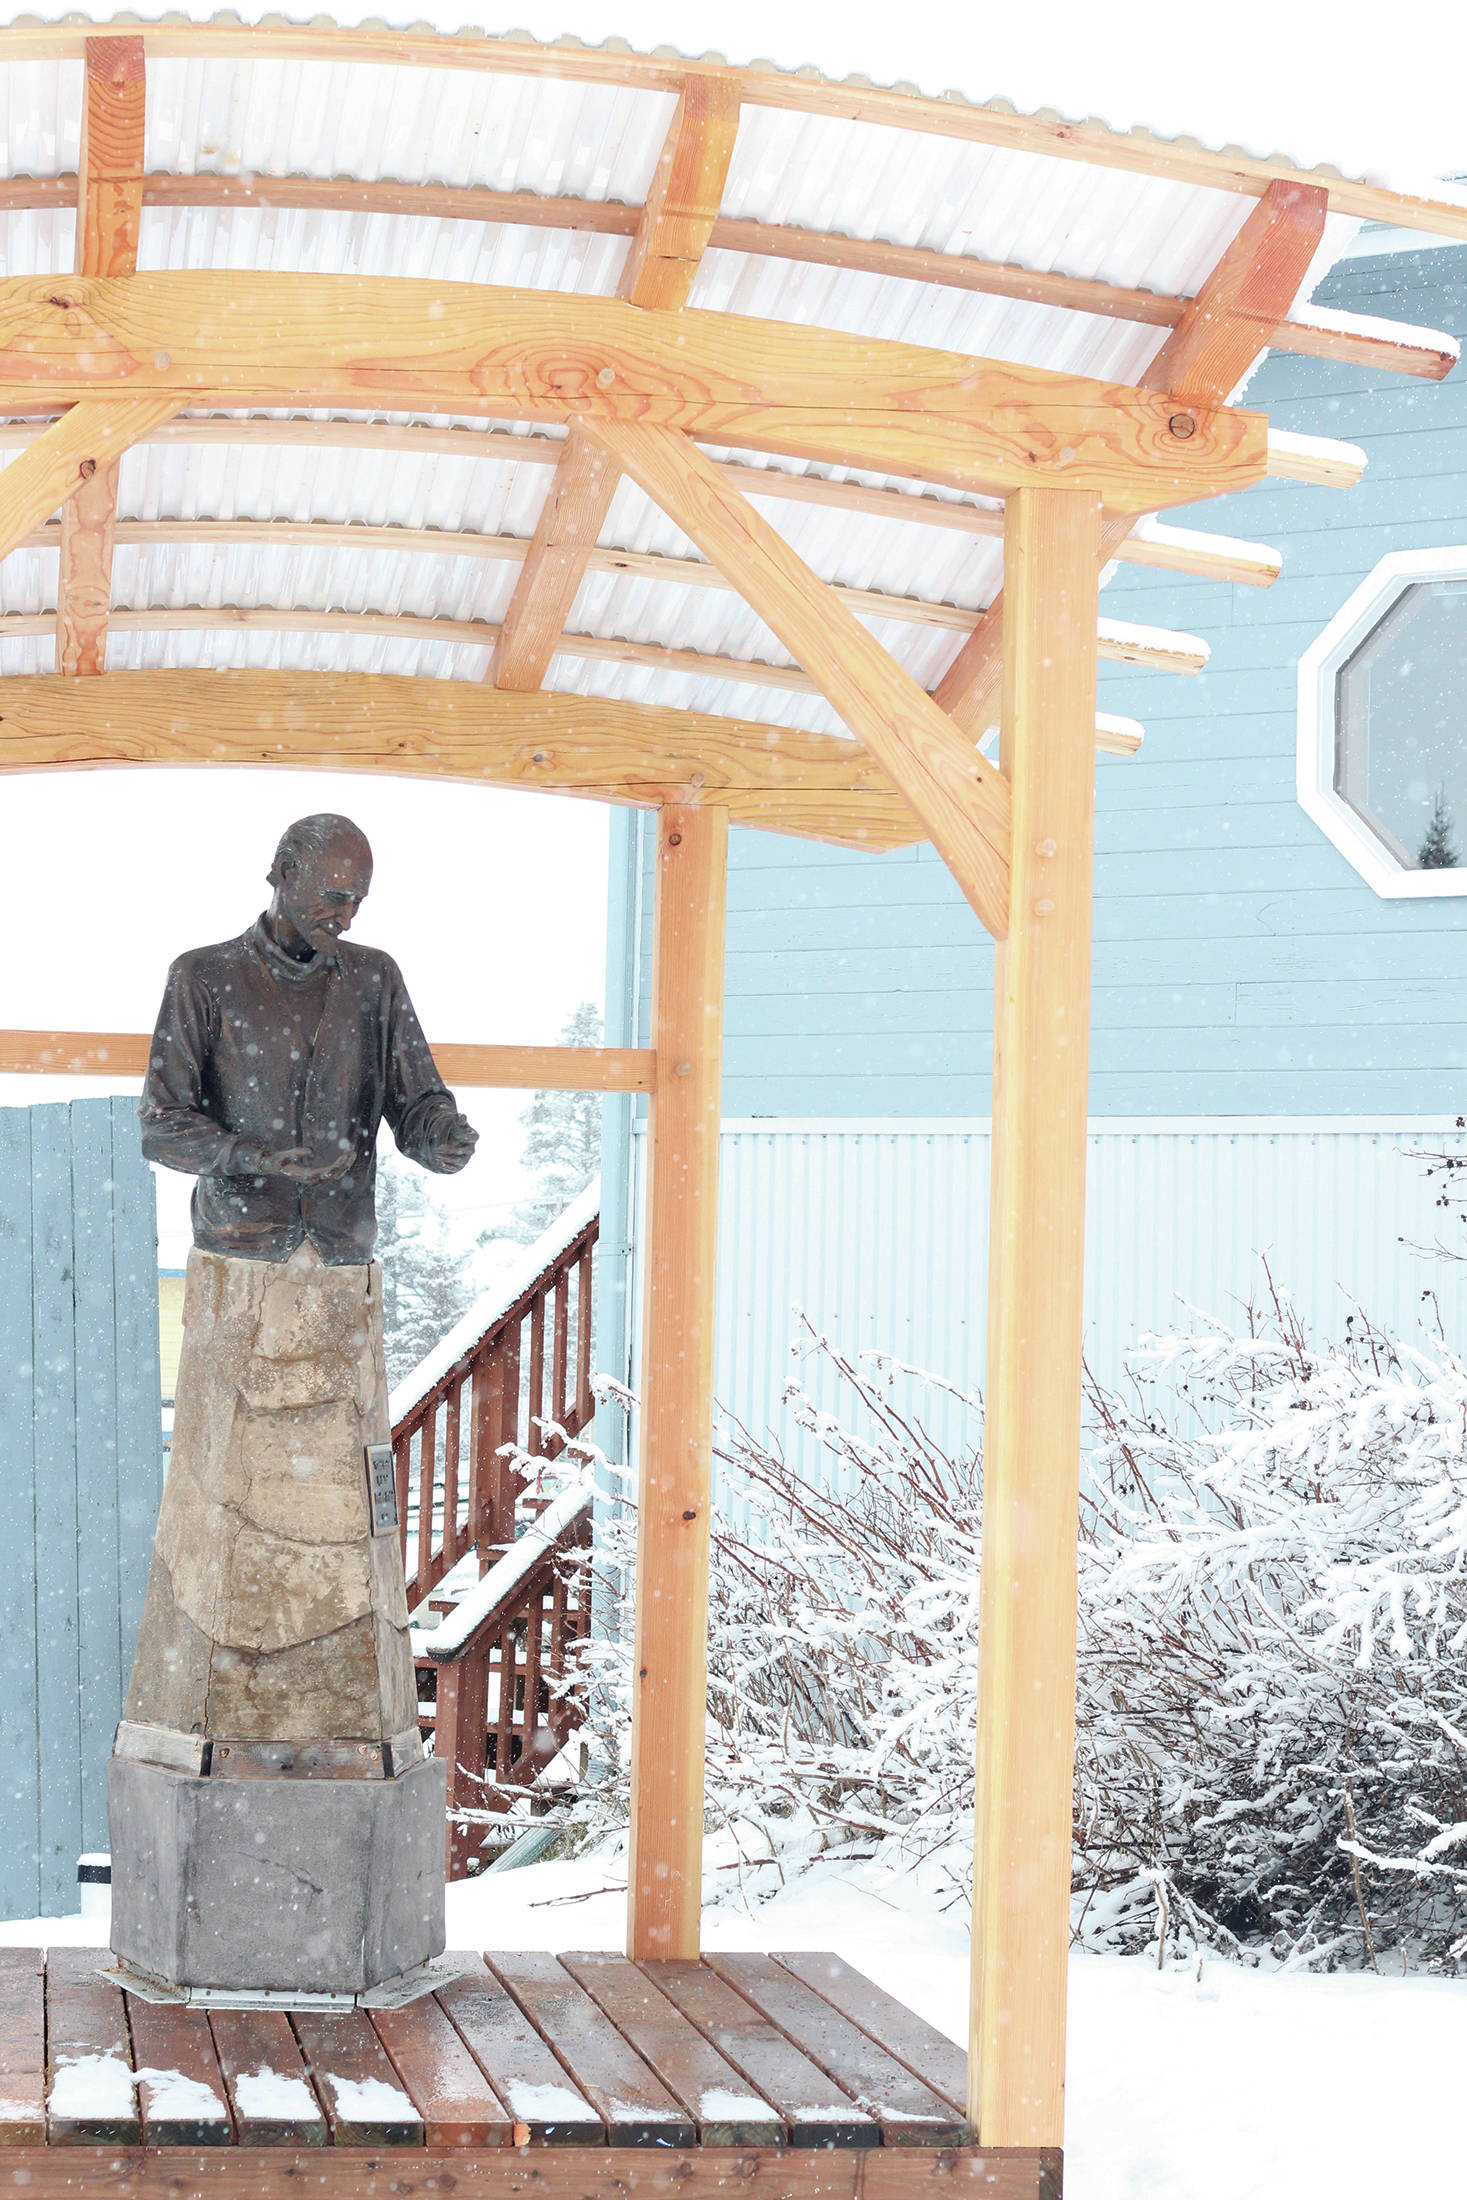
497,1600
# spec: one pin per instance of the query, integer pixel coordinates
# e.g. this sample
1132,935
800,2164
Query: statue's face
321,894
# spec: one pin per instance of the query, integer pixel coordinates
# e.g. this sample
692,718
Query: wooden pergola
643,387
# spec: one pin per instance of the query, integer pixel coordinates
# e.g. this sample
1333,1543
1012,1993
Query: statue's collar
278,963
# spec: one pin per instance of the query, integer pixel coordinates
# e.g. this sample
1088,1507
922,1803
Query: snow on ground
1235,2085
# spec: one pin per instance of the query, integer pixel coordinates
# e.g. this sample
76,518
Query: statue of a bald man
274,1822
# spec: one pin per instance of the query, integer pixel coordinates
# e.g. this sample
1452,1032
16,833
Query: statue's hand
294,1163
456,1145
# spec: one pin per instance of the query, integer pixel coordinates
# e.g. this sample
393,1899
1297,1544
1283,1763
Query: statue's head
321,873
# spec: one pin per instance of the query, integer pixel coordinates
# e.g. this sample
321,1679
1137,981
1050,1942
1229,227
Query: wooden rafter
961,800
524,1069
1213,557
1135,151
1350,339
818,785
108,214
1225,330
217,338
669,242
67,454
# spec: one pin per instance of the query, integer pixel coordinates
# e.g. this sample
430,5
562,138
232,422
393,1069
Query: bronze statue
275,1824
277,1055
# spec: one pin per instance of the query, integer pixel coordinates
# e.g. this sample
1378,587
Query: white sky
494,903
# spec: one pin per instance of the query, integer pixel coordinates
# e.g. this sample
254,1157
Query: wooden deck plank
22,2047
909,2112
269,2092
89,2088
929,2054
633,2102
547,2107
505,2173
458,2105
181,2092
813,2108
360,2091
720,2100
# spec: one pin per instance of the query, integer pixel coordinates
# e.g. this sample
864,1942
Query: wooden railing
501,1712
492,1655
520,1356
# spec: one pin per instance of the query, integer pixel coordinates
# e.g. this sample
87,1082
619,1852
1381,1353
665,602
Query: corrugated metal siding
878,1232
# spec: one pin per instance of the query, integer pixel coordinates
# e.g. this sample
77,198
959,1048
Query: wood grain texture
458,2105
67,454
1222,333
546,2106
817,2113
670,1656
258,2044
958,795
1135,151
571,518
1421,352
1209,556
86,2024
781,781
358,2087
725,2108
524,1069
687,188
544,2173
929,2054
241,338
1026,1655
109,213
22,2047
168,2040
633,2103
908,2111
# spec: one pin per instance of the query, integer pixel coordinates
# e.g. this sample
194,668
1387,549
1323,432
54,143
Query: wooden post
1026,1654
665,1880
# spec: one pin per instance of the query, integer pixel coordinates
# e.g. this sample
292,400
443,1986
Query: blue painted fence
80,1474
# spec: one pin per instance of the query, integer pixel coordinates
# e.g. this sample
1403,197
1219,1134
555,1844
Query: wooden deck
577,2077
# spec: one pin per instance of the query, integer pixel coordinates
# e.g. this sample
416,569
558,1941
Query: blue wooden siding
80,1439
1241,965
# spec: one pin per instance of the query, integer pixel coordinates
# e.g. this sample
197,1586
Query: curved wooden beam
952,116
817,785
223,338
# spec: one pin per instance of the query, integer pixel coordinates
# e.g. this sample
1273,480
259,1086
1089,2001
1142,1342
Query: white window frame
1318,667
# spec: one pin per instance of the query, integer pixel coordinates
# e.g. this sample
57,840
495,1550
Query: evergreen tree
562,1138
1438,850
427,1280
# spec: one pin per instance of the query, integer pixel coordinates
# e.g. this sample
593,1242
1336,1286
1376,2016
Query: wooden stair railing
499,1651
500,1657
487,1386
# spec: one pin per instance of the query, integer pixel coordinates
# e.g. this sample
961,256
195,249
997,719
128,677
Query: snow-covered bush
1272,1696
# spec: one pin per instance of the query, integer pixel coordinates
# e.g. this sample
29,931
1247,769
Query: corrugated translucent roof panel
552,136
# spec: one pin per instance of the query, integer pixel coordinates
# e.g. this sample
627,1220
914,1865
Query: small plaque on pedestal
382,1488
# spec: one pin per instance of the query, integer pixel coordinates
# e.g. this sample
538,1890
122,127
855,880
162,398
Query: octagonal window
1383,725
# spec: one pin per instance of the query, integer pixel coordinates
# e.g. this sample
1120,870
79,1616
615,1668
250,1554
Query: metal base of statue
316,1885
274,1823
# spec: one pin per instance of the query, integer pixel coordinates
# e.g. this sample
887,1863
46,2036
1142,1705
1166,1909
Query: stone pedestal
273,1821
288,1885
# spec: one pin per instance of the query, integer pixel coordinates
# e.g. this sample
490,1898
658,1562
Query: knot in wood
1182,425
87,468
682,1069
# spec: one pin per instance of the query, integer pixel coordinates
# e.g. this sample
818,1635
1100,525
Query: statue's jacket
254,1048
